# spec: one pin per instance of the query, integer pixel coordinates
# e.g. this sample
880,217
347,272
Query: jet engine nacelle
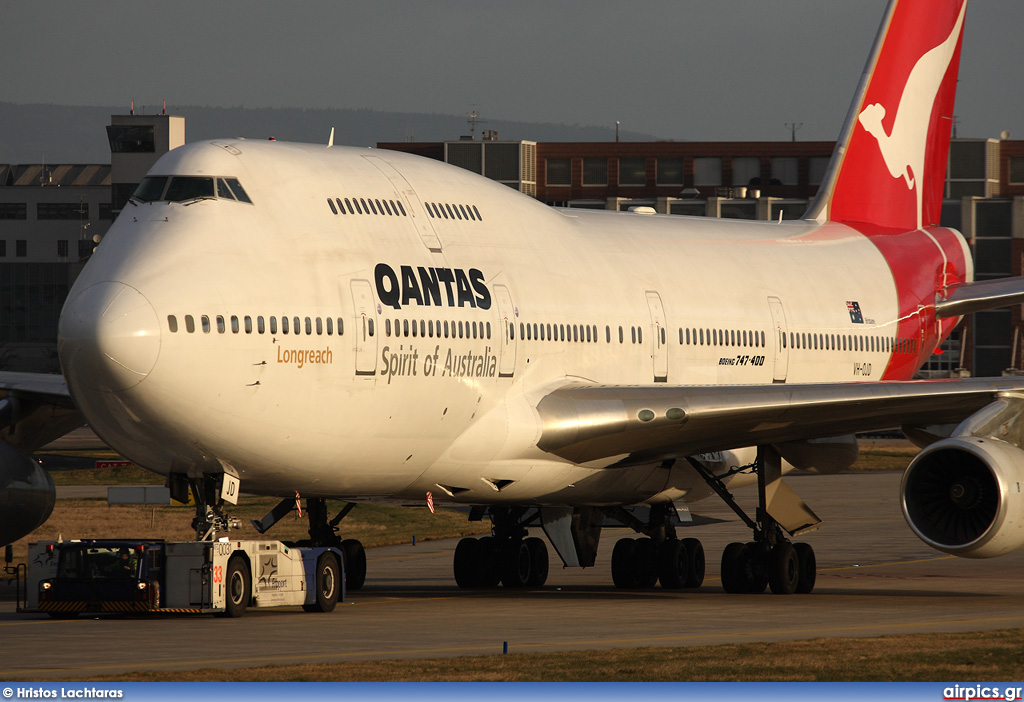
27,494
964,496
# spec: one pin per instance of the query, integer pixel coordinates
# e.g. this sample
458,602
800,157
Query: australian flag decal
855,315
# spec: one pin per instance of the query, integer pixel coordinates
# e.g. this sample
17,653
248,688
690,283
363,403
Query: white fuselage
397,413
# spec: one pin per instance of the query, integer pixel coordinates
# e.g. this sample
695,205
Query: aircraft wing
641,424
980,295
35,409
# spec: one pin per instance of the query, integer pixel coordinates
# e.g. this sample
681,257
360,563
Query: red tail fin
890,162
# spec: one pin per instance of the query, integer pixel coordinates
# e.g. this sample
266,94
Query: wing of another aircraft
35,409
641,424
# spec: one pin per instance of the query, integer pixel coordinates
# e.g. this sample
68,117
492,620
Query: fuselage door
507,313
659,334
781,345
365,327
417,212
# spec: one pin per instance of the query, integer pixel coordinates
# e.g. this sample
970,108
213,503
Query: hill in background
70,134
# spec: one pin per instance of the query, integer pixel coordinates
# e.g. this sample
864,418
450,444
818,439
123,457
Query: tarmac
875,577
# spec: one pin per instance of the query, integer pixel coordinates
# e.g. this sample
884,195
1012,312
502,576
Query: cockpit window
237,189
184,188
223,190
150,189
189,188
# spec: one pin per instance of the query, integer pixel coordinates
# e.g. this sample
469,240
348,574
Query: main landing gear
770,560
658,557
508,556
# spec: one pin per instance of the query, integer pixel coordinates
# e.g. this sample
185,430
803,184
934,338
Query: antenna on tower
474,119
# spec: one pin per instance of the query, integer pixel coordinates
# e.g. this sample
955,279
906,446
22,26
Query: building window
85,247
785,170
669,171
746,170
707,171
62,248
131,139
1017,170
595,171
13,210
817,166
3,248
106,211
633,171
559,171
62,210
21,248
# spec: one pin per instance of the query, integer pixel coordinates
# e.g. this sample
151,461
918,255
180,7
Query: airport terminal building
53,215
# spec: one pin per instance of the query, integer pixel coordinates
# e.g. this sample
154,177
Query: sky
684,70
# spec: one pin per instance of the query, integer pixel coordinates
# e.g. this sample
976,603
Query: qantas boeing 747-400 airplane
342,323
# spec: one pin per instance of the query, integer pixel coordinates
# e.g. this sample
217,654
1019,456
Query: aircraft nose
109,337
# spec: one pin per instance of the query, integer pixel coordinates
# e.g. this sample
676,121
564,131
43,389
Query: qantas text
431,286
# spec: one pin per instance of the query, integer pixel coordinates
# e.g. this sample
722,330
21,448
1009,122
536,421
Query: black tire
355,563
808,568
490,562
237,587
538,561
622,563
736,568
696,565
515,564
783,568
672,564
328,584
645,563
759,557
467,564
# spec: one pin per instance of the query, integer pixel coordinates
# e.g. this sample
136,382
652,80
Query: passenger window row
362,205
850,342
437,329
292,325
576,333
721,337
438,210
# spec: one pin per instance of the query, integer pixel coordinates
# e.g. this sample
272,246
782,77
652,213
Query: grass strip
989,655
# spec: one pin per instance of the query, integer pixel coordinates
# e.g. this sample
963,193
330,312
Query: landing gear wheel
783,568
808,568
758,567
737,568
328,584
538,561
237,588
695,566
490,562
645,563
468,570
672,564
515,564
622,563
355,563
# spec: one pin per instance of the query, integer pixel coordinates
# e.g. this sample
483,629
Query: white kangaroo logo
904,149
